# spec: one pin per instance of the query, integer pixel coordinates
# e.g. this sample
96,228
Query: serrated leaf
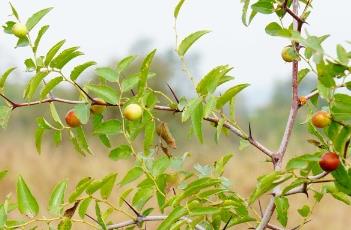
177,8
82,111
14,11
187,42
35,18
27,204
50,86
190,108
83,207
109,127
107,185
33,84
132,175
64,57
124,63
144,72
57,198
196,119
53,51
122,152
104,92
39,132
107,73
142,196
80,188
41,32
282,206
5,113
76,72
210,81
229,95
174,216
4,76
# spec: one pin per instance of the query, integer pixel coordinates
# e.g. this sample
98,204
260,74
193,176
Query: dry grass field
18,155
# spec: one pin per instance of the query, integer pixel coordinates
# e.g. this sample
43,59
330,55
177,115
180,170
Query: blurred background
109,30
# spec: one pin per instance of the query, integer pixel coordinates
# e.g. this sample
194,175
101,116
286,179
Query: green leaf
145,69
83,207
266,183
341,107
196,119
210,81
64,57
302,74
132,175
3,173
3,216
82,111
142,196
274,29
107,185
22,42
132,81
187,42
65,224
302,162
57,198
5,113
104,92
342,197
220,164
244,12
80,188
4,76
27,204
177,8
160,166
122,152
100,220
109,127
190,108
282,206
41,32
49,86
39,132
53,51
35,18
304,211
30,65
342,55
203,211
107,73
230,94
33,84
174,216
76,72
263,6
14,11
124,63
81,140
149,132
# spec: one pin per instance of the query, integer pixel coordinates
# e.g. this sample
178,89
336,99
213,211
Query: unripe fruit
71,119
96,108
321,119
289,54
19,30
133,112
329,161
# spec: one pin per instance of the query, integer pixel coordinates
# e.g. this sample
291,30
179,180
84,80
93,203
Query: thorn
174,95
133,209
92,218
250,131
259,203
227,224
132,91
174,191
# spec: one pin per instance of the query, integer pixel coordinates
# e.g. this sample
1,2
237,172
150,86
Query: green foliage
201,198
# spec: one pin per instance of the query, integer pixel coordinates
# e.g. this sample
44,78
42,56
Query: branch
303,187
148,219
214,120
278,157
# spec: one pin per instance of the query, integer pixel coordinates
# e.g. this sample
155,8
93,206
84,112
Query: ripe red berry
71,119
329,161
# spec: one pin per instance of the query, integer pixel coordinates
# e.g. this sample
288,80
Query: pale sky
106,29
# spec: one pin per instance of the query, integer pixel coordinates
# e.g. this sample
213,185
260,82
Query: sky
106,29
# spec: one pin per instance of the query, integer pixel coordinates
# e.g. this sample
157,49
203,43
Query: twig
148,219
